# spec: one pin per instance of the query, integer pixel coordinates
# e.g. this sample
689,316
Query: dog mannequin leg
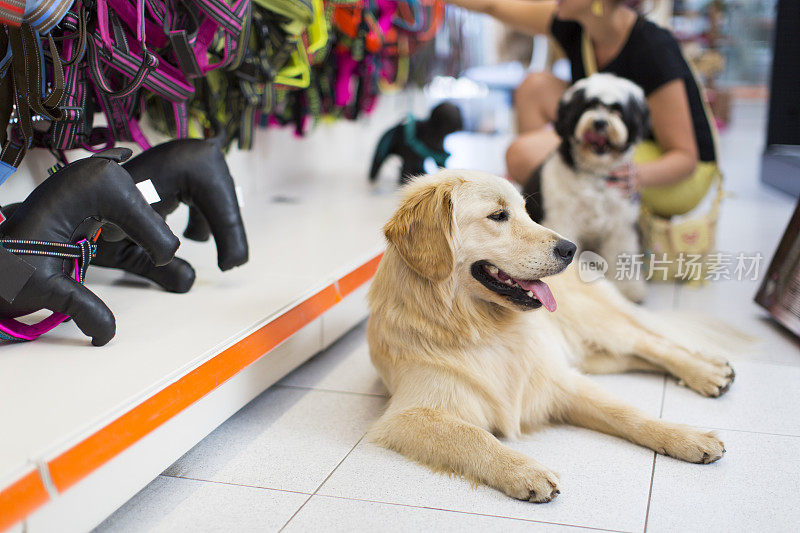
444,442
90,314
386,146
592,407
197,229
413,166
176,276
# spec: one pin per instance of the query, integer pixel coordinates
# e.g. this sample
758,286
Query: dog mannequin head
469,231
600,120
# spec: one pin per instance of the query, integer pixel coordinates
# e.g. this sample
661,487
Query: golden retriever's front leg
592,407
446,443
708,377
622,337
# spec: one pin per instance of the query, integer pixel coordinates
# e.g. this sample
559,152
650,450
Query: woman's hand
626,179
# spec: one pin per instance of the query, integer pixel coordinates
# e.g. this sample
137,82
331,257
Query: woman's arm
533,17
674,132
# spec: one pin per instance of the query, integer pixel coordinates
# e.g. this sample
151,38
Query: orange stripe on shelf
21,498
91,453
359,276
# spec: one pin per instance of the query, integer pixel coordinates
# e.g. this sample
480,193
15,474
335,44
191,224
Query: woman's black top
650,58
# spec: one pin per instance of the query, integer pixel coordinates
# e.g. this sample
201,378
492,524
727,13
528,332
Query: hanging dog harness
82,252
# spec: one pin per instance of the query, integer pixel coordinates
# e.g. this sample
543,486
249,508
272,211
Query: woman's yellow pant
681,197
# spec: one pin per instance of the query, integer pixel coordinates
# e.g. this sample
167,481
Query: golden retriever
457,335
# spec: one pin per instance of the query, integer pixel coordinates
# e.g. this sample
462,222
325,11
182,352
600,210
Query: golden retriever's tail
698,332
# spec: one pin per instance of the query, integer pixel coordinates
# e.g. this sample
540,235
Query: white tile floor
295,458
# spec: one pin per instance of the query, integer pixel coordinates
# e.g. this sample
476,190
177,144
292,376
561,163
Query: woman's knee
527,152
520,162
540,89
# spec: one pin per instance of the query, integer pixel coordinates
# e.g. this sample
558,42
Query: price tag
148,191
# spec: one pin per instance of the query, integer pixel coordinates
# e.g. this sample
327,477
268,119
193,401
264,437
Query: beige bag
681,250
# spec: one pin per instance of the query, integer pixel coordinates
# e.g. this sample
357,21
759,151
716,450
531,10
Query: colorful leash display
203,68
81,252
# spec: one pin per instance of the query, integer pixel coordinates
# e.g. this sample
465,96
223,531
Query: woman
675,172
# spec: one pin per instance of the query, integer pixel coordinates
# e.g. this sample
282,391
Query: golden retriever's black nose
565,250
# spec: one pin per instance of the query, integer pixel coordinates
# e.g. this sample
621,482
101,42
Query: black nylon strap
13,152
184,54
49,106
183,39
6,90
83,251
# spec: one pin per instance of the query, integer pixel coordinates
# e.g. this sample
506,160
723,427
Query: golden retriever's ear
421,230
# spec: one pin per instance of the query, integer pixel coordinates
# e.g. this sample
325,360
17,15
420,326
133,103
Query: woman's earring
597,8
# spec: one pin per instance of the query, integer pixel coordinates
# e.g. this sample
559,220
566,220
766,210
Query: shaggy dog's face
471,229
600,119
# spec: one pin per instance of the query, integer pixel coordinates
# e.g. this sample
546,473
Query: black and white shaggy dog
600,120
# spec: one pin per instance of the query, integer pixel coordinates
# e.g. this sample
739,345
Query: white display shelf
59,392
311,220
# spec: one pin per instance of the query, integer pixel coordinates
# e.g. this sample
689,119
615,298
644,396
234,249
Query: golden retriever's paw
714,359
532,482
710,379
694,446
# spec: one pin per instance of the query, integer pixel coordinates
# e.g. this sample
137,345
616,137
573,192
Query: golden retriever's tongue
542,292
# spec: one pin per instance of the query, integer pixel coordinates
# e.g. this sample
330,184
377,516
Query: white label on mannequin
148,191
240,196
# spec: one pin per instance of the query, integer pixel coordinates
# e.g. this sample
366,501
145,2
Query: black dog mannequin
417,140
187,171
71,205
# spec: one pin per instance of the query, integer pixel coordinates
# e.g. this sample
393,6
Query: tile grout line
469,513
749,360
323,482
655,458
301,387
753,432
233,484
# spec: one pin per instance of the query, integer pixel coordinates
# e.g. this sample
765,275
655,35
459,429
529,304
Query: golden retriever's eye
501,215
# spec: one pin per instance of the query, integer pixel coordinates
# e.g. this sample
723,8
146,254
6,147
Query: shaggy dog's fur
457,335
600,120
